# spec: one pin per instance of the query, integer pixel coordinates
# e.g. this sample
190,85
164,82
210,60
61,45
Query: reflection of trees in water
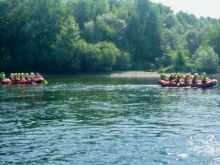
22,92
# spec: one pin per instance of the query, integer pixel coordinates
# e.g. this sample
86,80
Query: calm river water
108,121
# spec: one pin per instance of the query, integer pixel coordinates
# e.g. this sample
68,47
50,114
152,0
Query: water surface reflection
108,121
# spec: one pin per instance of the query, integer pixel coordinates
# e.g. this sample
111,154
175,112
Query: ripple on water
109,122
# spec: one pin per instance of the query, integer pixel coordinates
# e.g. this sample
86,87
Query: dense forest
84,36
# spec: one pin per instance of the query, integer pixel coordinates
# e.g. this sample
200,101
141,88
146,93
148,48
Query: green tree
81,10
17,46
105,57
87,10
106,27
212,38
101,57
172,40
193,41
178,61
206,59
170,21
100,35
66,59
144,34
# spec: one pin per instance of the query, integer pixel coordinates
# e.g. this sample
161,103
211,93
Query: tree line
83,36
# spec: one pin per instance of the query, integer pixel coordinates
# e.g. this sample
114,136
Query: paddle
179,82
32,81
10,82
190,85
178,79
45,81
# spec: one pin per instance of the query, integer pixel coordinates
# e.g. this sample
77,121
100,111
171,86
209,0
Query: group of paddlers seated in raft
24,76
187,78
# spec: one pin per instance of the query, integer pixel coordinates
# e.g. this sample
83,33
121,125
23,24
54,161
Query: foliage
104,57
178,61
77,36
193,41
106,27
206,59
212,38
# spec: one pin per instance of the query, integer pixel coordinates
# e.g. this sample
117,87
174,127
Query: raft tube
209,83
5,81
8,81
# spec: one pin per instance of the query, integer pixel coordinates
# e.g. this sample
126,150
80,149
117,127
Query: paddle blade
45,81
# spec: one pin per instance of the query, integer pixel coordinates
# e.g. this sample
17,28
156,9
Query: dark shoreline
117,74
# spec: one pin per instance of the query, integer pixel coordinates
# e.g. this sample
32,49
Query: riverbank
124,74
130,74
134,74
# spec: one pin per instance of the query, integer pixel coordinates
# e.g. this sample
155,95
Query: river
108,121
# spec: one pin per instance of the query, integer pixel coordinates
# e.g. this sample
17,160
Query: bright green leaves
212,38
102,35
206,59
105,57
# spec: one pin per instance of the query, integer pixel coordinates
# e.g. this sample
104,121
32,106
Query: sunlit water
106,121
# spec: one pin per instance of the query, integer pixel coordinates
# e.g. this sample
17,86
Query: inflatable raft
35,81
209,83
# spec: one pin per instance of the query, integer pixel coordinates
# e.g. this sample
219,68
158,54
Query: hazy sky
205,8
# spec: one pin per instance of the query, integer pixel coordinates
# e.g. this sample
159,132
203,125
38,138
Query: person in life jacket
174,77
181,77
22,76
37,75
195,78
11,77
162,75
19,77
14,77
32,76
2,75
171,77
26,76
177,78
186,79
204,78
189,76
